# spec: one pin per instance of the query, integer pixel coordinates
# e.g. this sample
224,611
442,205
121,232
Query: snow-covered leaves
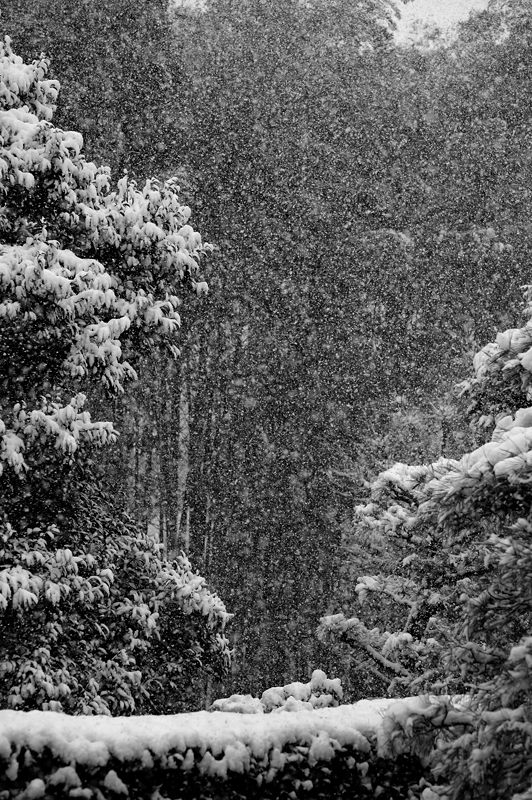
24,85
458,593
80,261
503,372
429,492
67,304
64,427
93,619
90,616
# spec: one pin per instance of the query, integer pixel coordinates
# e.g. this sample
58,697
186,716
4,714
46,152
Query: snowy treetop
101,268
24,85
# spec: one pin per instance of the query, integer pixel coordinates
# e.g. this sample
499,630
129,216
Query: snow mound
319,692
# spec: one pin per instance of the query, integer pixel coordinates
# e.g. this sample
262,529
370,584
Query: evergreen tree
92,617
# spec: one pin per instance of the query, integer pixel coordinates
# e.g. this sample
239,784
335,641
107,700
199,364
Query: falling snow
247,252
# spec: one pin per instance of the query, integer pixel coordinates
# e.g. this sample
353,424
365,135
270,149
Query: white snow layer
225,740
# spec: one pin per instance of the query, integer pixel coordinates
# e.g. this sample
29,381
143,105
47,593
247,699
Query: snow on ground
228,736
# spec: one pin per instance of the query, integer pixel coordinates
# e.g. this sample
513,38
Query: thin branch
391,665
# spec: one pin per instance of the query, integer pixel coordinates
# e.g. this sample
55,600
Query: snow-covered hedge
355,751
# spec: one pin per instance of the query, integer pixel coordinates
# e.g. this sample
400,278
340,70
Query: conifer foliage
93,619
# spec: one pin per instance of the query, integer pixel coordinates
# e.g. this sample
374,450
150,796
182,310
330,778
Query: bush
285,754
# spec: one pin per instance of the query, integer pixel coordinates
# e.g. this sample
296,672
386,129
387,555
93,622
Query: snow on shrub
320,753
319,692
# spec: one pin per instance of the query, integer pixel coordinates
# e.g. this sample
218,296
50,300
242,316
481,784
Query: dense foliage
370,204
331,169
92,617
237,752
449,608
